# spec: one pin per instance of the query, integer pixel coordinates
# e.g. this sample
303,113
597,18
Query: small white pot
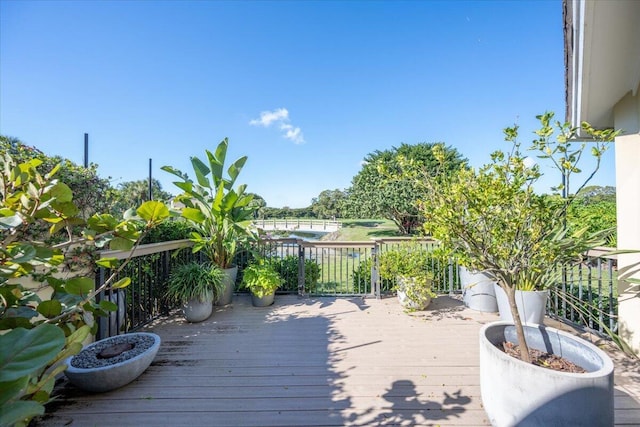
532,305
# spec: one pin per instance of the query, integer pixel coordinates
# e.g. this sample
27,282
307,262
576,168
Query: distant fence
298,224
587,296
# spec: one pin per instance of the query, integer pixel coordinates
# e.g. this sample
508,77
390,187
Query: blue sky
305,89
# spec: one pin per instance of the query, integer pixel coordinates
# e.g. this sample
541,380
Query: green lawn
356,230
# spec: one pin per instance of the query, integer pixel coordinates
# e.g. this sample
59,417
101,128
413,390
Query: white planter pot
229,286
477,290
515,393
197,311
532,305
410,303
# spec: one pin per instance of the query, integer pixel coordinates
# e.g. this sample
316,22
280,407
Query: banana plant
219,211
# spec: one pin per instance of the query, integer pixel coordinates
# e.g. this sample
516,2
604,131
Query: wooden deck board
307,362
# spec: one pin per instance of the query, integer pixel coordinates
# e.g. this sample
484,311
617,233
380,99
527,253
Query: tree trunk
522,342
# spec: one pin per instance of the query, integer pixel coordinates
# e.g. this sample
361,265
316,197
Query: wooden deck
312,362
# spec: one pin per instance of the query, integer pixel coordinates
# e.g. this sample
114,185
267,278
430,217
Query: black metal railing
144,300
587,297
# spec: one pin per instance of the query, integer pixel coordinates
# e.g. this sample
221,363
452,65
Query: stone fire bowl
110,373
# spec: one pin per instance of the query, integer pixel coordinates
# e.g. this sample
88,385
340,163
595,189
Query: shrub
287,267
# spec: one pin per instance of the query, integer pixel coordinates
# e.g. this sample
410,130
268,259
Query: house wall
627,149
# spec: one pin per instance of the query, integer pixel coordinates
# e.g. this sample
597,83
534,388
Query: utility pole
86,150
150,182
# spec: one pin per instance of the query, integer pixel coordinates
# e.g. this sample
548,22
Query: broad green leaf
236,167
22,253
187,187
68,209
121,244
216,160
50,308
79,335
22,351
194,215
12,389
80,286
108,305
201,170
62,192
122,283
153,211
18,411
108,262
175,172
102,223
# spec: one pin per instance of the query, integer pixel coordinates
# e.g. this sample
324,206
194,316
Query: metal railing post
375,271
301,277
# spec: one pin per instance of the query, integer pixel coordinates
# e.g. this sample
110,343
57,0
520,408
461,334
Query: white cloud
268,117
280,117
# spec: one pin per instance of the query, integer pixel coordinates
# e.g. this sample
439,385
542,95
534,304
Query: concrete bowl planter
515,393
113,362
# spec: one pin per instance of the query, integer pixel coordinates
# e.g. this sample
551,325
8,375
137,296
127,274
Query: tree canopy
329,204
133,193
381,189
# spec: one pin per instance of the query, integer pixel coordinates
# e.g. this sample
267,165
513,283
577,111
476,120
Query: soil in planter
545,360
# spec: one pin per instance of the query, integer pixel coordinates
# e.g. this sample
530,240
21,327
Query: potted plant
196,286
220,212
407,265
261,279
520,238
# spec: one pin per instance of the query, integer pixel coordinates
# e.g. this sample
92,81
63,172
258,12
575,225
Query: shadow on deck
305,362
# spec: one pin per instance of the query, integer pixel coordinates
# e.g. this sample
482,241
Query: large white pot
532,305
515,393
478,291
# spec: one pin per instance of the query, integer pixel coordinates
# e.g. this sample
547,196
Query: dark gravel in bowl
88,357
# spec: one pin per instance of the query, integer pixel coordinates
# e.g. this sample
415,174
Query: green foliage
408,265
261,278
381,189
216,210
362,278
287,267
91,193
329,204
175,229
133,193
195,281
596,217
494,217
287,212
40,333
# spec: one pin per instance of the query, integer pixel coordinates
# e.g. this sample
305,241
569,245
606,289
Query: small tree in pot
495,217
